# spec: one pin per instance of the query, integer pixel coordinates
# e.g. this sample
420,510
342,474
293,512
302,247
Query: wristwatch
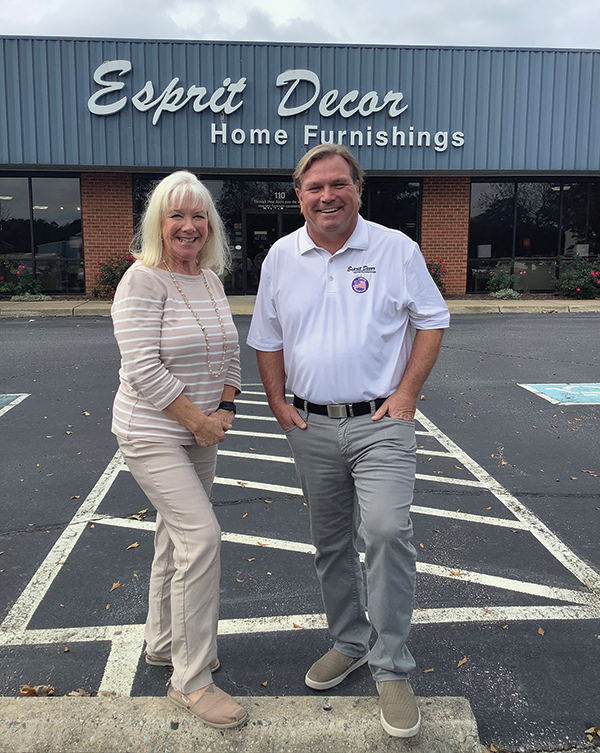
227,405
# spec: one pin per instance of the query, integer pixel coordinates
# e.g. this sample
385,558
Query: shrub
500,279
437,271
110,274
506,294
23,282
582,280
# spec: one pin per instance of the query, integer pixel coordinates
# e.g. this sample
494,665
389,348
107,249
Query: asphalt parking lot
506,519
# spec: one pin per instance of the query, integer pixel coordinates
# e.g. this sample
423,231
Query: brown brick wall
107,217
445,227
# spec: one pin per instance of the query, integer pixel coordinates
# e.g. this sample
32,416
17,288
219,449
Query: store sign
227,99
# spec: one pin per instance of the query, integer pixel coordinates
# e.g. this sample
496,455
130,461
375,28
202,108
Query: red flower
578,289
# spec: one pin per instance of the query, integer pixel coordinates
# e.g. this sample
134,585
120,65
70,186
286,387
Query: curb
277,725
244,305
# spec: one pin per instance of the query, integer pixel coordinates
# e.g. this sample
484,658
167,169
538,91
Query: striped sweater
163,351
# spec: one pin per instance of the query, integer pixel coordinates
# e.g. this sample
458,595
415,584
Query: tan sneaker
214,707
331,669
400,715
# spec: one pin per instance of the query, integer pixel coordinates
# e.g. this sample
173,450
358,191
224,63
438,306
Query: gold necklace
216,308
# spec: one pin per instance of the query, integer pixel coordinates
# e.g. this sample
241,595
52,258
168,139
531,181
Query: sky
480,23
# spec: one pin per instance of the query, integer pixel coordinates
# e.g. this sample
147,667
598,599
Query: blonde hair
171,193
329,150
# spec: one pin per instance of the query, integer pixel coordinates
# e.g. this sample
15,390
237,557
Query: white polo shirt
343,320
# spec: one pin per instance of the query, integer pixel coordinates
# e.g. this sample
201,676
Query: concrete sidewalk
296,724
244,304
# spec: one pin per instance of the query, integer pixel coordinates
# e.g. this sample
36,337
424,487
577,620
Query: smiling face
329,200
184,233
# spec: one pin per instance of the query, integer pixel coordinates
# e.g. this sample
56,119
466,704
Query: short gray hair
170,193
329,150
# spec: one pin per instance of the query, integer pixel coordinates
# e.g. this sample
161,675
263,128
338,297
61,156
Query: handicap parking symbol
567,394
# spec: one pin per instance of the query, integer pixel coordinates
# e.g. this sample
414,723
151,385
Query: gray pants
358,476
183,609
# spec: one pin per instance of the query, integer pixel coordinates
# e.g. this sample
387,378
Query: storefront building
483,156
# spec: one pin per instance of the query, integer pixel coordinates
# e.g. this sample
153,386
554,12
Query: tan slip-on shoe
400,715
331,669
214,707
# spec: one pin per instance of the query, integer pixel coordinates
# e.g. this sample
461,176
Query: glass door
262,230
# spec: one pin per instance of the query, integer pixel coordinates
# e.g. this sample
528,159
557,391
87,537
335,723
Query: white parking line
127,640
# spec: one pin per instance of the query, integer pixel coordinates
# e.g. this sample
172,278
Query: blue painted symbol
9,401
360,285
567,394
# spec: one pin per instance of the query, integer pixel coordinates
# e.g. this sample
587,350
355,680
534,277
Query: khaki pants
183,606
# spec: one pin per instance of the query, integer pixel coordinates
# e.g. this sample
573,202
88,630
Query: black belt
339,411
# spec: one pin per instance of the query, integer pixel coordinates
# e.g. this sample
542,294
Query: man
335,306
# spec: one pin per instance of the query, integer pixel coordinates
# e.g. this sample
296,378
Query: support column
107,219
445,227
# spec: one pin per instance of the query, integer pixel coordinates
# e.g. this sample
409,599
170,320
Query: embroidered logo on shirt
360,285
365,269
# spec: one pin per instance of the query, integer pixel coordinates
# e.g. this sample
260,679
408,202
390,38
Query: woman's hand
211,430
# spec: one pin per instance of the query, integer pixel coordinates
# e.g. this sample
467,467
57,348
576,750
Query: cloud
503,23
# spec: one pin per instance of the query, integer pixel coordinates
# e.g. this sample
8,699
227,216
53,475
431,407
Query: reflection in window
15,229
45,233
393,203
492,218
537,219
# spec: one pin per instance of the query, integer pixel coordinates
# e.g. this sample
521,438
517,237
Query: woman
180,372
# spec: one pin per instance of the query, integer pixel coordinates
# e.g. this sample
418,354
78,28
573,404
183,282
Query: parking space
470,540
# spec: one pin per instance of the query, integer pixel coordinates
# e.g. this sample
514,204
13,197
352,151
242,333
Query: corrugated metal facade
486,110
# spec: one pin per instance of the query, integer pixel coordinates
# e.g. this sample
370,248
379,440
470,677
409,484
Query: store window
257,211
394,203
40,228
531,227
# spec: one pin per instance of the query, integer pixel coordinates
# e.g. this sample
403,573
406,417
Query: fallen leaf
68,432
464,660
85,412
573,478
541,631
66,649
80,692
299,627
242,483
259,544
421,545
493,749
459,468
108,606
488,508
239,581
268,501
504,627
245,515
425,671
26,691
135,575
117,584
133,546
76,496
422,397
265,683
456,573
251,559
44,690
485,609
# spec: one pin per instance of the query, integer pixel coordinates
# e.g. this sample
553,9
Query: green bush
582,280
437,271
506,294
500,279
110,274
23,282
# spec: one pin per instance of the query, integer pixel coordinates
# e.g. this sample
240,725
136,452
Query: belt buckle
337,411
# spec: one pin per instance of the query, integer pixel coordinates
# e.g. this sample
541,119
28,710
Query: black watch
227,405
